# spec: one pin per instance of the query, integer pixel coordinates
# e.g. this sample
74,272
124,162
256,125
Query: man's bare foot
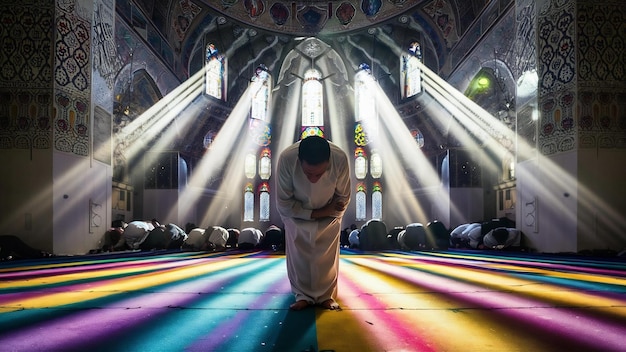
329,304
299,305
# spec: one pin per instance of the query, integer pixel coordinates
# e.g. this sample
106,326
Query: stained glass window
264,202
365,103
215,73
261,93
376,165
419,137
360,136
208,139
250,165
377,201
361,202
312,99
410,71
265,164
311,131
360,163
248,203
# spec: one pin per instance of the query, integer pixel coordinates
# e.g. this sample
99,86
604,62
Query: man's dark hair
314,150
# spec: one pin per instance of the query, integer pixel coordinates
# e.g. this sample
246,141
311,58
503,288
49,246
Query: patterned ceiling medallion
279,13
371,7
312,18
312,48
345,13
255,8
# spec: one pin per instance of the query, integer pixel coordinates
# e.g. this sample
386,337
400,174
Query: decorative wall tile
556,69
601,78
25,74
72,76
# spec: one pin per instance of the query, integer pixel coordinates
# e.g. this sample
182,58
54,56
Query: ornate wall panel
525,63
25,74
601,74
72,78
556,30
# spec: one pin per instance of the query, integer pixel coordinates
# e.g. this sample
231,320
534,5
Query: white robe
311,245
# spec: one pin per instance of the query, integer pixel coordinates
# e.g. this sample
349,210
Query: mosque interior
456,111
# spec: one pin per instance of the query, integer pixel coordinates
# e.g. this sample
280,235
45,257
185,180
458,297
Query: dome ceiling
311,17
257,31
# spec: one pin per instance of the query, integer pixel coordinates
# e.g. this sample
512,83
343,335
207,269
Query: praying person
249,238
502,237
136,232
313,186
218,238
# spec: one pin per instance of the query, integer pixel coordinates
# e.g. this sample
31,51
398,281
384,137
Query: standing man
313,186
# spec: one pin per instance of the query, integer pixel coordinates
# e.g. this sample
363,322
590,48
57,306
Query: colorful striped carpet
391,301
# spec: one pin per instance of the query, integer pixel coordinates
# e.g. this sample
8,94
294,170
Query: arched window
419,137
360,163
376,165
209,138
215,73
265,164
250,165
312,99
311,131
261,93
248,202
364,99
264,202
377,201
361,202
410,71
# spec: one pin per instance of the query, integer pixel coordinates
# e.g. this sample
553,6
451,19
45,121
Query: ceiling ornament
311,17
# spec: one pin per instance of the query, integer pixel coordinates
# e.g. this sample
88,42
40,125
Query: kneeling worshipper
176,236
413,237
502,237
218,238
373,236
459,235
274,239
353,238
233,238
136,232
249,238
114,237
197,240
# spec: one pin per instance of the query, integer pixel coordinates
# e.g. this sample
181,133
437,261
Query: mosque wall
26,112
600,124
581,78
61,100
81,196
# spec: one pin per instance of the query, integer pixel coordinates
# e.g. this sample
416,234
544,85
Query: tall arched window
249,167
410,71
361,202
248,202
312,99
261,93
258,159
215,73
364,99
360,163
376,164
264,202
377,201
265,164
